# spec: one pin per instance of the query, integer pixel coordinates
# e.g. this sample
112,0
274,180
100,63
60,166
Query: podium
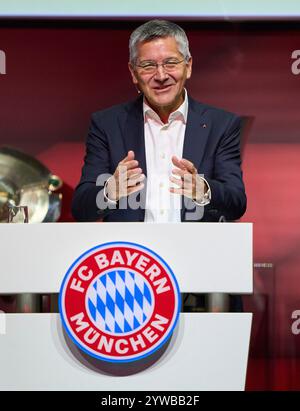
207,351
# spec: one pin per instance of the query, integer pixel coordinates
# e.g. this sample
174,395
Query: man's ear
189,68
131,69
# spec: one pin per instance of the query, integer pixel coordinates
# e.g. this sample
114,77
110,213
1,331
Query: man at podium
163,157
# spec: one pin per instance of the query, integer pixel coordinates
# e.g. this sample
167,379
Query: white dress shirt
162,141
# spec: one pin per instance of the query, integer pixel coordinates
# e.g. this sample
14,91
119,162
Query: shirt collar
181,112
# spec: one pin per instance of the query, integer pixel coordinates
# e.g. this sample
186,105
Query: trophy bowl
26,182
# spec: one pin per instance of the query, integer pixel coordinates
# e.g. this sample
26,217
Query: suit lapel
134,137
196,136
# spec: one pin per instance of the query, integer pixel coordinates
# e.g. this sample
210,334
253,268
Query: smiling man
162,83
178,159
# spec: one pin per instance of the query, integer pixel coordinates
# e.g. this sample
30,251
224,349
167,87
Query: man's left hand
188,182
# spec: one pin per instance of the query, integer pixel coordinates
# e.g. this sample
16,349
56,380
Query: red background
60,72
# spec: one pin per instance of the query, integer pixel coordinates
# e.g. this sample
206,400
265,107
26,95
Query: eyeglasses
151,67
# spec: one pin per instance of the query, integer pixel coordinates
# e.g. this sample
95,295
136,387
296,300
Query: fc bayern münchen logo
119,302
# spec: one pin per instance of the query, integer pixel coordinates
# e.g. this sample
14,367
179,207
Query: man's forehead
158,45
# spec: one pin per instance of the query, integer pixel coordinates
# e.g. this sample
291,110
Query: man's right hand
127,179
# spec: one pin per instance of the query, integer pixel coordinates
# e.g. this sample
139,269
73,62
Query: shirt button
162,212
161,185
163,155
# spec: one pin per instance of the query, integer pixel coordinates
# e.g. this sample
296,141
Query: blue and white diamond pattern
119,301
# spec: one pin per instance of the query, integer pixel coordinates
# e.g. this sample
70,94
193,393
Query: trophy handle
13,210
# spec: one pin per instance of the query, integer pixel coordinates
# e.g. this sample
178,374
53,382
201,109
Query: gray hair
157,29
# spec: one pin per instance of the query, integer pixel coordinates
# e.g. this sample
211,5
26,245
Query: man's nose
161,73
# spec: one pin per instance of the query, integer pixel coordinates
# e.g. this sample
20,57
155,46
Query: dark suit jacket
211,142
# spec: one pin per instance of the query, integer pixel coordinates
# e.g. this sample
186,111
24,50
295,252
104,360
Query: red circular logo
119,302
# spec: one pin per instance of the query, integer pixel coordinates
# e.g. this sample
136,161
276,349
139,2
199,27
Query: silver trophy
27,189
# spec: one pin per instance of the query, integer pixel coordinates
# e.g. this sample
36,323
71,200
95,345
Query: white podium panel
208,352
208,257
